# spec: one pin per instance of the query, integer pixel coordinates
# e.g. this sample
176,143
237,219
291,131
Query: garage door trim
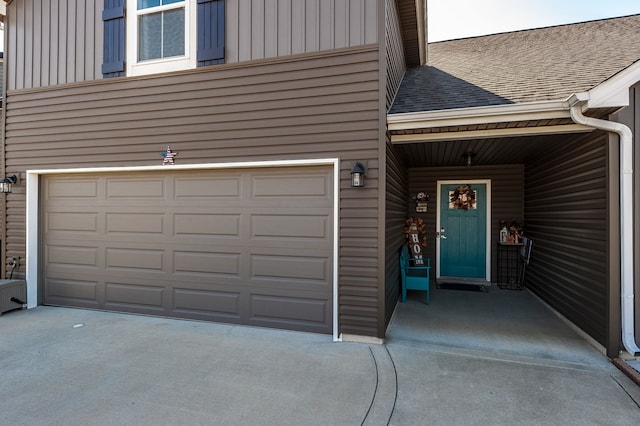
33,211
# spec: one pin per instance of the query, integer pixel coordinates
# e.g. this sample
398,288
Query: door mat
463,286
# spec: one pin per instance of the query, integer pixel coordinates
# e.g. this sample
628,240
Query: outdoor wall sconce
357,175
5,184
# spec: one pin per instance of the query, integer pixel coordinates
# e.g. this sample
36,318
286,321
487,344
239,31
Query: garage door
248,246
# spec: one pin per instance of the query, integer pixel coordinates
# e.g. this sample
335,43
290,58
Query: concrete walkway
76,367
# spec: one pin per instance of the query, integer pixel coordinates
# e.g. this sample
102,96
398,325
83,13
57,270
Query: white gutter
577,102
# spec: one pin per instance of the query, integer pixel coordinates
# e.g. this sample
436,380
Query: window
162,36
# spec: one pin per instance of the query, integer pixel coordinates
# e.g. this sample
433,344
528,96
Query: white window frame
174,63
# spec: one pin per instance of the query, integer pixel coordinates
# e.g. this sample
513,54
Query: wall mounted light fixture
357,175
7,182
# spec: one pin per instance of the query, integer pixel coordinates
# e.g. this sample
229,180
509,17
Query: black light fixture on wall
7,182
357,175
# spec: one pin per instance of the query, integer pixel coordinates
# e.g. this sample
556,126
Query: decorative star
169,156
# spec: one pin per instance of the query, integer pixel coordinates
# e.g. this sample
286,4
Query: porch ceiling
488,151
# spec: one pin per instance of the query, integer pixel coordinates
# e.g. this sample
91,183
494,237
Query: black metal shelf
509,266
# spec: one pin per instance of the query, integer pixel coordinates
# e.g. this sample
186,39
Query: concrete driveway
76,367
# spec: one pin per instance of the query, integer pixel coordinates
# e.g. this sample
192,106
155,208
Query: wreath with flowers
463,197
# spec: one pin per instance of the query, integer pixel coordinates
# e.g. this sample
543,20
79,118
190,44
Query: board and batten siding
258,29
566,217
323,105
53,42
60,41
507,199
396,64
395,216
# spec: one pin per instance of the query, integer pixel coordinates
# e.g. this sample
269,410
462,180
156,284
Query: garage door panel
207,224
206,263
208,187
284,310
76,188
62,288
248,246
290,267
289,226
72,222
72,256
213,302
119,294
289,187
136,223
141,259
139,189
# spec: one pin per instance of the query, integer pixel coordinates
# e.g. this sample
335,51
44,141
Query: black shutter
114,38
210,32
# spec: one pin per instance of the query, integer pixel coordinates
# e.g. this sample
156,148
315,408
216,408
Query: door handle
441,234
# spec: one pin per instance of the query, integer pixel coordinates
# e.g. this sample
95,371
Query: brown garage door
246,246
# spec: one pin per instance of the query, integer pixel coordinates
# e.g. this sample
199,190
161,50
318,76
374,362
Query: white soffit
489,134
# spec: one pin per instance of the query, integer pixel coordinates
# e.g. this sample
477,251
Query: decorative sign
422,201
462,198
416,239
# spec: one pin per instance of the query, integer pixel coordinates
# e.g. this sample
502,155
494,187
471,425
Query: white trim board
33,209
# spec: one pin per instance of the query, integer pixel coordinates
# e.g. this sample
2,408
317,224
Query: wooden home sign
415,233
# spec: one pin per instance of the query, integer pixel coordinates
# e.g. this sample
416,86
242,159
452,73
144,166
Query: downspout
576,103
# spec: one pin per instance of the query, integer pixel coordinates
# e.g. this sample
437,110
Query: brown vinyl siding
395,54
566,217
395,215
507,202
309,106
630,116
60,41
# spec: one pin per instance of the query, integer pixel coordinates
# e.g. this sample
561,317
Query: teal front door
463,230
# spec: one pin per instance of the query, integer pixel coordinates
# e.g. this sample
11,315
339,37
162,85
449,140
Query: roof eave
539,110
413,23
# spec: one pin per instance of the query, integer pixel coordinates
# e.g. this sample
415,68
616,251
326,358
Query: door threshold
462,280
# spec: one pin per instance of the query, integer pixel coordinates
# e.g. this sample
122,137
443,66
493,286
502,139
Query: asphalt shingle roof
523,66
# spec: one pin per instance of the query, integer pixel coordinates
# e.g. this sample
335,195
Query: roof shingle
523,66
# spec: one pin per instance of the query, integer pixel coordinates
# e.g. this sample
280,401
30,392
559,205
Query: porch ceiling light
7,182
468,156
357,175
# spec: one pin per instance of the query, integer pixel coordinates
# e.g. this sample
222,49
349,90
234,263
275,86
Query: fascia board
421,12
614,92
544,110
